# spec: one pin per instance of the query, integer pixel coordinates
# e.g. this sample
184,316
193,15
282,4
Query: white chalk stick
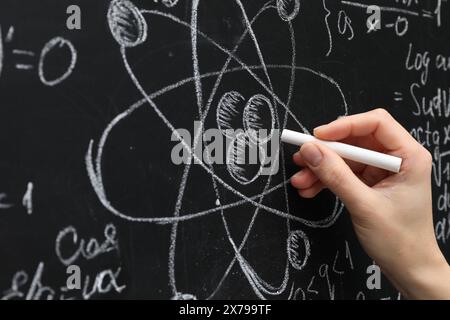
366,156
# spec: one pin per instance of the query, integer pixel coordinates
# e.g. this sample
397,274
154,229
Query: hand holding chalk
391,214
369,157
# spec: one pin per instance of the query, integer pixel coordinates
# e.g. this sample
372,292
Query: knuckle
382,113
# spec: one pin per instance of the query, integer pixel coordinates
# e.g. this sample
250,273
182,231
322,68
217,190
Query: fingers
297,158
355,166
379,123
312,191
304,179
334,174
367,142
375,130
307,183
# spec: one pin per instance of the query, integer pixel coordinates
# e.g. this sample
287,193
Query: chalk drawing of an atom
260,94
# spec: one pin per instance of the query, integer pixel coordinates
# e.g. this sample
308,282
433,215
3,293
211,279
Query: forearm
429,281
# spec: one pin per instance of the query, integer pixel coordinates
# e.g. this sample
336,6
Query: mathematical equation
396,18
28,60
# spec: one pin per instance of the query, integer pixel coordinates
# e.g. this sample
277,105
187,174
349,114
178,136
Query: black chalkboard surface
91,93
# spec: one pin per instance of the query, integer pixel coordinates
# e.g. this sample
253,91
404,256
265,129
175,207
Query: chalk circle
127,24
170,3
184,296
245,159
56,43
229,113
259,116
298,249
288,9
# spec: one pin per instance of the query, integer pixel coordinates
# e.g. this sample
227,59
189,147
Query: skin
391,213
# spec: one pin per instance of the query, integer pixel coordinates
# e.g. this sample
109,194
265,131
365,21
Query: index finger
379,123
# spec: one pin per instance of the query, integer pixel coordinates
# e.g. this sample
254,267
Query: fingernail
316,129
311,154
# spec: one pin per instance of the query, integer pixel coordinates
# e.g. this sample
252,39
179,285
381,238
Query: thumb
335,174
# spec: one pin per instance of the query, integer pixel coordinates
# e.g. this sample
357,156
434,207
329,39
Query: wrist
426,280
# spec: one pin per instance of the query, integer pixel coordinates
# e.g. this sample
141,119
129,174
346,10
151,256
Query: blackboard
92,91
